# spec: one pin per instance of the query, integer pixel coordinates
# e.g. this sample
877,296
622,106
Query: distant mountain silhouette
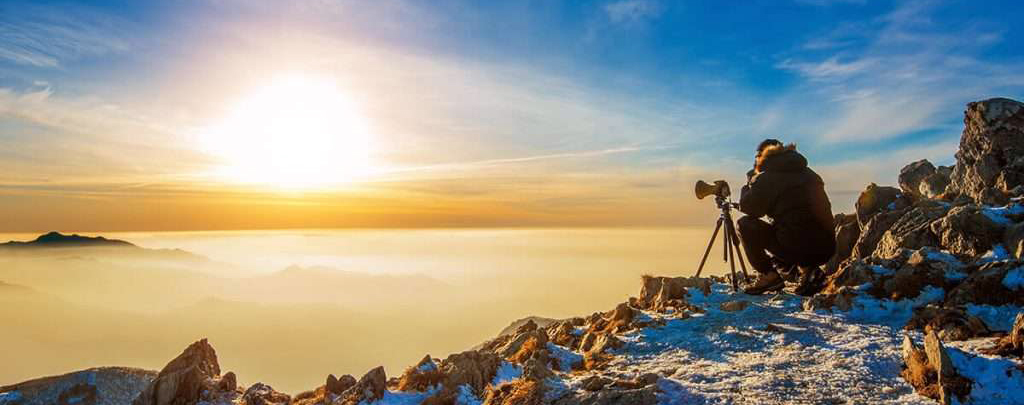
57,239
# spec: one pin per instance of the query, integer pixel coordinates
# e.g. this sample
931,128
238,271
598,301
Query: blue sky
605,111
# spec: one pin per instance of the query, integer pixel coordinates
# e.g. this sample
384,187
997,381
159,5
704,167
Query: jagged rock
228,382
421,377
536,368
475,368
934,185
985,286
522,345
734,306
369,388
913,174
183,380
336,386
930,371
911,230
989,162
873,231
847,231
659,293
563,334
875,199
967,231
263,394
950,324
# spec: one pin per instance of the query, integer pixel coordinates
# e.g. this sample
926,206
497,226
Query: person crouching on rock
784,189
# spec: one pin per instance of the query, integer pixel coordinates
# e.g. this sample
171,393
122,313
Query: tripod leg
731,228
732,263
708,250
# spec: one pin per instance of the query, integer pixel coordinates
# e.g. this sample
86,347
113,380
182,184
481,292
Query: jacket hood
781,158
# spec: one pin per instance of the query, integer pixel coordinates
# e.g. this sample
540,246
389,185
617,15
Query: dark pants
760,238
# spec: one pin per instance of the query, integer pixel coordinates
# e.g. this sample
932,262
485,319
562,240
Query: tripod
731,240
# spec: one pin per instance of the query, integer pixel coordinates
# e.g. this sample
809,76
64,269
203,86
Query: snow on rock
1014,278
1001,215
998,318
773,352
466,396
507,372
996,380
997,254
566,358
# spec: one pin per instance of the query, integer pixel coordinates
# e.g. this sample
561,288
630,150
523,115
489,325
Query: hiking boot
812,280
766,282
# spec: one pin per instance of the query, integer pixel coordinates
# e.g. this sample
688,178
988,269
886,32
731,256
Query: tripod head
725,204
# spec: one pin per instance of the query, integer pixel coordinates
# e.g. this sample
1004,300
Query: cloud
909,74
48,37
632,11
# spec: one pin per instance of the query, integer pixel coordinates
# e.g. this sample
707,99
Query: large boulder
875,199
968,231
872,232
913,174
912,230
183,380
934,186
473,368
990,162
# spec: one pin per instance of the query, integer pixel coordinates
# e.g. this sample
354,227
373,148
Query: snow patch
1000,215
428,367
1014,278
10,397
466,396
997,254
996,380
404,397
507,372
893,313
996,318
566,358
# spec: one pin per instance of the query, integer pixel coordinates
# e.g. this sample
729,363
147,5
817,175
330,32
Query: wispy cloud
632,11
48,36
911,75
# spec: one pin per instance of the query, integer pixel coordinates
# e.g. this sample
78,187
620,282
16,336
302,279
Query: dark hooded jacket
793,196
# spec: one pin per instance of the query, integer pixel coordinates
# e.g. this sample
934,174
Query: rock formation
989,167
184,379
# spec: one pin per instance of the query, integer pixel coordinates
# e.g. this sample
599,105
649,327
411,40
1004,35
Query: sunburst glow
298,132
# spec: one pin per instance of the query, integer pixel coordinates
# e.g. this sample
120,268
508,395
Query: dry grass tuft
525,351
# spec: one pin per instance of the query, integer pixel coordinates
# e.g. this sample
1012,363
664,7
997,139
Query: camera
719,189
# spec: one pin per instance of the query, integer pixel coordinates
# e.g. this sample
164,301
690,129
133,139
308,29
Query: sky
231,114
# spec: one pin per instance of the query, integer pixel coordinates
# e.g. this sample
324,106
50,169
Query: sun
298,132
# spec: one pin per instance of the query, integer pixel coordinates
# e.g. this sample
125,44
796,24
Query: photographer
800,233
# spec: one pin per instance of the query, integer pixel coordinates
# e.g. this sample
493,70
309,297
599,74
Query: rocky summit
923,303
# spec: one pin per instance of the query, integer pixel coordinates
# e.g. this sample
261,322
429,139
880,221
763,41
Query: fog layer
287,308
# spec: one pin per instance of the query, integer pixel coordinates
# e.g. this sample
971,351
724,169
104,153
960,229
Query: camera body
719,189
